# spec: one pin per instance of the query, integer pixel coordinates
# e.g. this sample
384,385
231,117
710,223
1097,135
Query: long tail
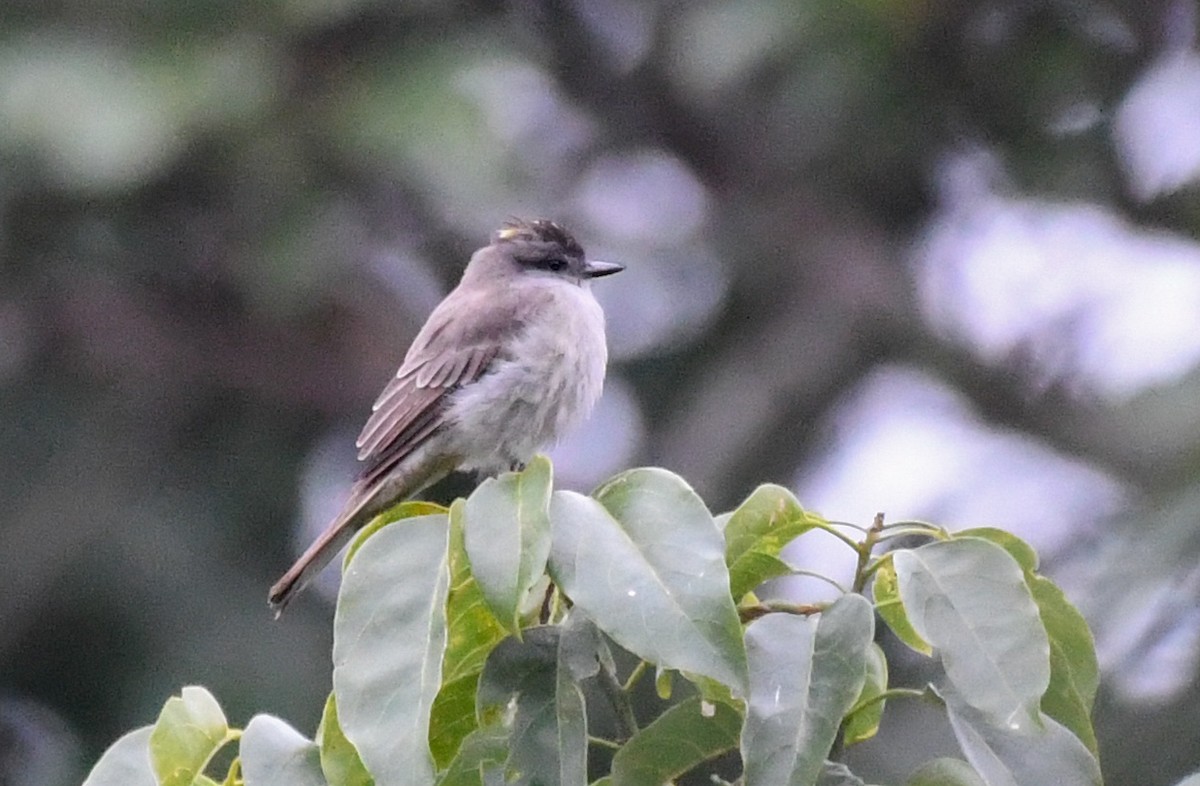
339,532
368,498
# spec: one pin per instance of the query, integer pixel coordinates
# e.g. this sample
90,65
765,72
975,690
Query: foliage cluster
499,641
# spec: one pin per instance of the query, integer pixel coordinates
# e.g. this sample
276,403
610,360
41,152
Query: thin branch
753,612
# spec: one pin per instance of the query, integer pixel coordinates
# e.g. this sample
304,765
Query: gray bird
510,360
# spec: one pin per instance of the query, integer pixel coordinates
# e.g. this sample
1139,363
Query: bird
509,361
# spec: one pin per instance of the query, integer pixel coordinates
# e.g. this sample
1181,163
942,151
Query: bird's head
538,247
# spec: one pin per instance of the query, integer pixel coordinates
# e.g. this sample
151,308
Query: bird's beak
596,268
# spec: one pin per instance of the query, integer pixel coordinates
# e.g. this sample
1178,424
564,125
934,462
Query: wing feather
450,351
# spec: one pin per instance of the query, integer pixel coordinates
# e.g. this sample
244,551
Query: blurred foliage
221,223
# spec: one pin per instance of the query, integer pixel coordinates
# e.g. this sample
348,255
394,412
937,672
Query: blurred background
931,258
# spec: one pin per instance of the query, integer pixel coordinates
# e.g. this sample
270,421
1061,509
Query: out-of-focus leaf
527,691
388,639
405,510
507,537
471,633
480,759
757,532
677,741
339,758
126,762
1041,752
886,591
945,772
804,675
189,730
968,598
1022,552
864,724
275,754
646,563
1074,671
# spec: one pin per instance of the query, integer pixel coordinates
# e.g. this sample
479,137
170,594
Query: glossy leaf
1074,671
1042,752
886,591
864,724
408,509
507,537
452,718
471,633
275,754
339,758
805,674
389,637
189,730
646,563
1022,552
526,690
968,598
680,739
945,772
480,759
126,762
757,532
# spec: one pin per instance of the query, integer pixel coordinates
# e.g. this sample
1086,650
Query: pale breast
544,382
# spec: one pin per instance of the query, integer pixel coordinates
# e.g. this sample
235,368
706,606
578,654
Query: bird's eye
557,265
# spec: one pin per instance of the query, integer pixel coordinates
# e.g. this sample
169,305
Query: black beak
595,268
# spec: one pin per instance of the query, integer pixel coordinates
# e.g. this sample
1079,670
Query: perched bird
510,359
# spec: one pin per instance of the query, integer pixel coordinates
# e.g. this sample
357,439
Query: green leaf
805,674
757,532
945,772
471,633
189,730
482,752
339,758
452,718
1074,672
662,682
1022,552
864,724
275,754
1042,752
646,563
527,690
126,762
886,591
678,740
508,537
389,634
968,598
408,509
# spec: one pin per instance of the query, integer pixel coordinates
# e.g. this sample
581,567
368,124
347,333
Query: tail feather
368,498
315,558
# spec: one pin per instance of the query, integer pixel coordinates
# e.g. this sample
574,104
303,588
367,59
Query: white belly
548,381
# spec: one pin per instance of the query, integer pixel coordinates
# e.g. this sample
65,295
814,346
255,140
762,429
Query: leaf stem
603,743
827,527
754,611
890,693
864,553
635,675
